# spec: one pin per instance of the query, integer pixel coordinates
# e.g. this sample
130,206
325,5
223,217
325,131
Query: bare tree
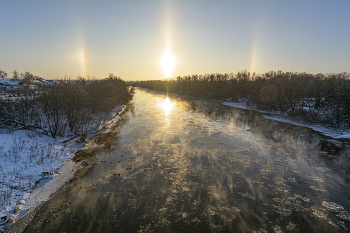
3,74
16,75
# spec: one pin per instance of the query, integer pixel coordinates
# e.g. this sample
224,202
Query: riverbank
181,163
35,166
334,132
337,133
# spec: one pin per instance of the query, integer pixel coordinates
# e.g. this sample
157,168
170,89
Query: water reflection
167,105
204,167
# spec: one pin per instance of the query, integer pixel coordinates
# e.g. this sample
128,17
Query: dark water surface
191,165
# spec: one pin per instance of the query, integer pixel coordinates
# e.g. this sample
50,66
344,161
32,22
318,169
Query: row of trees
16,76
69,107
322,98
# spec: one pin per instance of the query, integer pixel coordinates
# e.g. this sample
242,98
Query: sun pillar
167,62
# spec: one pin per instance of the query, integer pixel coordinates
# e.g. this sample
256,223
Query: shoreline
47,187
336,133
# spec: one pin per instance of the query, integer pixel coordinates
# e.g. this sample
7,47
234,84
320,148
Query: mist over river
181,164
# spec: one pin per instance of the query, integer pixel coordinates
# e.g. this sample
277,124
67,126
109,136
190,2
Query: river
181,164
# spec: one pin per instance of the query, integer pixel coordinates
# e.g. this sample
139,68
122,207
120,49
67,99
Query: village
21,81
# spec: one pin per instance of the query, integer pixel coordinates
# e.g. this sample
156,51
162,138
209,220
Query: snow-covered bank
337,133
331,132
33,166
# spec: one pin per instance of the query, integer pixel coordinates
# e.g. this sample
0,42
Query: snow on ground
33,166
339,133
344,136
26,157
241,105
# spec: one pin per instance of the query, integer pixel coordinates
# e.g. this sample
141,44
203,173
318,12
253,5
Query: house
12,85
33,87
37,82
9,85
29,81
49,83
4,80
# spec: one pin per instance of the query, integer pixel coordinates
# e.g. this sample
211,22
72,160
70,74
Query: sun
167,62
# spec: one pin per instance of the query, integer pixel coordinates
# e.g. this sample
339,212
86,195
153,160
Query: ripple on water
318,212
332,206
277,229
290,226
338,209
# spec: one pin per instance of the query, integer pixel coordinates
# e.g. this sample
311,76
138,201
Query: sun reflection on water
167,106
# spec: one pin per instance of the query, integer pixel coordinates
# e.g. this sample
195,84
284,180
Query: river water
180,164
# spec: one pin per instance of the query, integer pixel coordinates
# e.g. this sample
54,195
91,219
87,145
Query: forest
66,108
314,98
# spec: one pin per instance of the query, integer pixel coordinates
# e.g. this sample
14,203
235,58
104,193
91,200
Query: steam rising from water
208,168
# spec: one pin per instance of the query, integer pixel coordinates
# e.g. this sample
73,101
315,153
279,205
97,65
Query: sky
57,39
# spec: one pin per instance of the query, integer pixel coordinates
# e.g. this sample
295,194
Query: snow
344,136
4,80
338,134
33,166
241,105
26,157
11,83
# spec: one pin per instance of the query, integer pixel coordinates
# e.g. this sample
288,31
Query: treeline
317,98
67,108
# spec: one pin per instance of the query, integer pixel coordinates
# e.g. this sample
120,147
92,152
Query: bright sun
167,63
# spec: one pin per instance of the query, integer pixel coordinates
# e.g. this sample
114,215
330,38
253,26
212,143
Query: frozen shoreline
25,202
334,133
337,134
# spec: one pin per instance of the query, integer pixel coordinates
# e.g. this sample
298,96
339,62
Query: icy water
191,165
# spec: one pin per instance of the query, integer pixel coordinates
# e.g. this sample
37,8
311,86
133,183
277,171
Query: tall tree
3,74
15,75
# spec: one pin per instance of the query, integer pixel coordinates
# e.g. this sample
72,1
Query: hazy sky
127,38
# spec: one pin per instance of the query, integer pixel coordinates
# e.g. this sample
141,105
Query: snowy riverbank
337,133
331,132
33,166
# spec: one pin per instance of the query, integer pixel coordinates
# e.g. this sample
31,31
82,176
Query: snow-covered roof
4,80
48,84
11,83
